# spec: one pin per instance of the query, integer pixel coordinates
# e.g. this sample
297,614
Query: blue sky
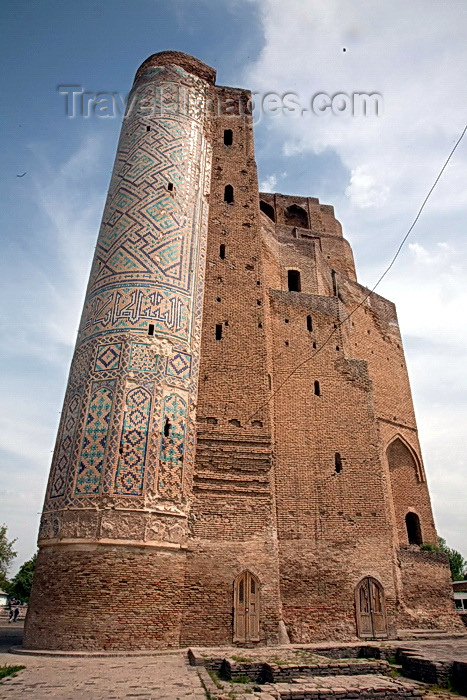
374,170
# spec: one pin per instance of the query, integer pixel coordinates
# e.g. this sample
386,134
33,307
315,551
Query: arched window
267,209
414,531
399,456
296,216
229,194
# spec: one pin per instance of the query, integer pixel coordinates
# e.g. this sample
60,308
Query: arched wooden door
371,610
246,608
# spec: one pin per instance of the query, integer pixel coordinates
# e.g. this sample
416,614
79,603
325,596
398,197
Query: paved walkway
161,677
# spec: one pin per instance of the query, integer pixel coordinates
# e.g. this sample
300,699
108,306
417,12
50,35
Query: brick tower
222,474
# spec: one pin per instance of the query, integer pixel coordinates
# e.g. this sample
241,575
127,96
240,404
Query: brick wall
117,598
427,591
232,511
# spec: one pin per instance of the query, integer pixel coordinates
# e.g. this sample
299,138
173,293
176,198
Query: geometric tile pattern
142,358
108,357
64,448
91,461
179,365
148,269
133,443
172,447
146,230
146,265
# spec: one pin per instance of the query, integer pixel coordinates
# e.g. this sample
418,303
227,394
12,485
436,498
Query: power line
370,291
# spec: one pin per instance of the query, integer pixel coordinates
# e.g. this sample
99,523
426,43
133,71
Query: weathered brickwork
238,456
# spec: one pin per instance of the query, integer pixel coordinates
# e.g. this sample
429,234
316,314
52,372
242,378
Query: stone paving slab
340,687
164,677
438,650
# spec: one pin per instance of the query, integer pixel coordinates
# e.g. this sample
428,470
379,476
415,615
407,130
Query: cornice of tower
189,63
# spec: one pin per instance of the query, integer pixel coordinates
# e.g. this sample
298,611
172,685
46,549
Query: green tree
7,554
457,563
21,584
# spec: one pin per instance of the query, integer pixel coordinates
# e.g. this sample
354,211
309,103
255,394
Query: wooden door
246,608
371,612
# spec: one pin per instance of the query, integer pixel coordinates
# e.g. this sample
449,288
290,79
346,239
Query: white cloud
268,184
389,51
364,190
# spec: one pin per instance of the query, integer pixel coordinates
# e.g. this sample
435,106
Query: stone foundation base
106,598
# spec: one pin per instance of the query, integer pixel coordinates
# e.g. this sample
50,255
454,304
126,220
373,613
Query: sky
376,170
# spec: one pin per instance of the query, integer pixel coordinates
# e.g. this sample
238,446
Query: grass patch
305,655
206,691
441,688
240,679
242,658
280,662
10,670
215,678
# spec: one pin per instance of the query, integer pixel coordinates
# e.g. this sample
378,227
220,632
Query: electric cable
370,291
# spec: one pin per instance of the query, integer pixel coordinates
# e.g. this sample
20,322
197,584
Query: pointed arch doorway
246,608
371,609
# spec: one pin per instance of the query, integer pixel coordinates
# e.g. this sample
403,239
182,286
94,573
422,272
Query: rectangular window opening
338,463
151,329
218,331
293,278
229,194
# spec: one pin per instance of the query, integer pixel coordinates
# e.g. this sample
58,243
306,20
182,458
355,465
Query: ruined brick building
237,458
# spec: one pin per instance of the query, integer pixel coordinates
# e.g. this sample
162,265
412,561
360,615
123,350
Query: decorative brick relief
120,525
80,524
164,530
